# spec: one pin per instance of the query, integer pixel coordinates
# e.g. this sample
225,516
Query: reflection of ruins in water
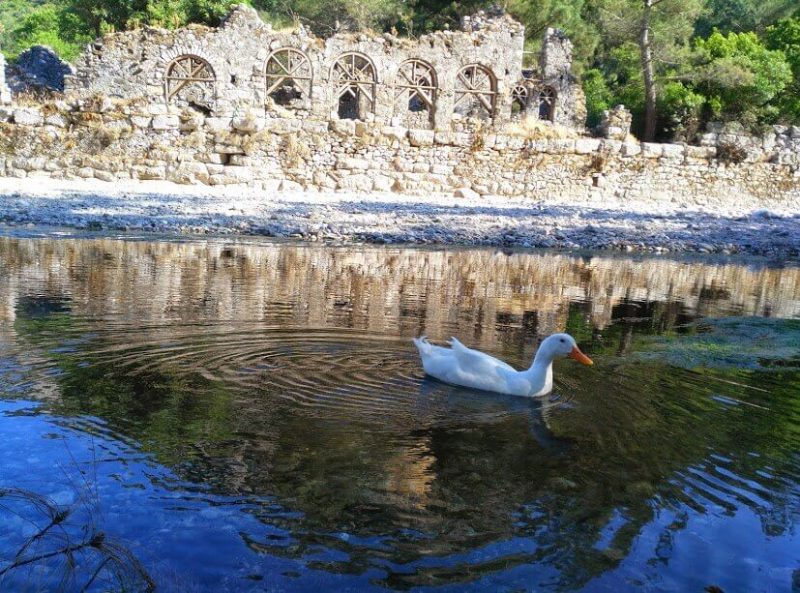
406,291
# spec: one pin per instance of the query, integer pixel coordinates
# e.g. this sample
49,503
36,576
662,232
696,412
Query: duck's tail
422,344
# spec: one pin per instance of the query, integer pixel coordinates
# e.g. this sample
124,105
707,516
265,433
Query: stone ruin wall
438,81
107,140
115,122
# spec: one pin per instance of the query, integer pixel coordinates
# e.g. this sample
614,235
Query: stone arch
547,103
288,77
354,81
520,99
191,79
416,79
476,91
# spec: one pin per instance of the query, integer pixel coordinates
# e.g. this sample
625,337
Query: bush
681,111
730,152
598,96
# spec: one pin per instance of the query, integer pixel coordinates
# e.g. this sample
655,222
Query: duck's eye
563,340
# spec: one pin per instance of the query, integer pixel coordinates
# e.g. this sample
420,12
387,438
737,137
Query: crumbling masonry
438,81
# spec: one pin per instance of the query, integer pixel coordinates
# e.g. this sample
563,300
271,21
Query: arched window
191,79
547,104
288,76
519,99
476,91
353,77
416,86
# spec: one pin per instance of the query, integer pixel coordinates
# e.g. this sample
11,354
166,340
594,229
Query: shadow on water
265,422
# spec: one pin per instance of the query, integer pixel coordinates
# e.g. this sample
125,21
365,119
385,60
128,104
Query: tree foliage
701,60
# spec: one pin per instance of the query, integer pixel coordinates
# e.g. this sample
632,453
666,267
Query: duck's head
562,346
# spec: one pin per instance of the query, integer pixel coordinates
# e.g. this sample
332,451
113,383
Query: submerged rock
733,342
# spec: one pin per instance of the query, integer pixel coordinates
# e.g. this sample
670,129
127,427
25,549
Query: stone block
218,124
466,193
352,163
394,132
152,172
358,182
315,127
652,150
402,165
421,137
105,176
141,121
382,183
56,120
700,152
361,129
673,151
587,145
247,124
284,126
562,146
27,117
343,127
240,174
157,109
289,185
445,138
611,146
631,149
166,122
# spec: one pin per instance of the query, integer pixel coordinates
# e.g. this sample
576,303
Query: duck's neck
540,373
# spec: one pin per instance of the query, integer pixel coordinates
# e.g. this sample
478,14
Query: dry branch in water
69,537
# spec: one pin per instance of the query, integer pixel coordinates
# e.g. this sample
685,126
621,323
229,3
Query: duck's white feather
477,362
466,367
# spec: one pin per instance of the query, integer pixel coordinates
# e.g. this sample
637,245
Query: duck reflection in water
465,407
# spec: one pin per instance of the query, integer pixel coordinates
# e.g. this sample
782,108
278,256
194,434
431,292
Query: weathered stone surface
672,151
421,137
616,123
467,193
28,117
289,185
631,149
141,64
166,122
118,143
652,150
358,182
587,145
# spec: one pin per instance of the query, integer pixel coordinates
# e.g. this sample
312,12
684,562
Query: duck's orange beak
580,356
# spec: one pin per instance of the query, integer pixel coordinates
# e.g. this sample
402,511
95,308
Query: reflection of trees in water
444,471
406,290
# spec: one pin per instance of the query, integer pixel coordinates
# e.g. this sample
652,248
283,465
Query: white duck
463,366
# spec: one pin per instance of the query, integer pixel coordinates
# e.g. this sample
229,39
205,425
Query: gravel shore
393,218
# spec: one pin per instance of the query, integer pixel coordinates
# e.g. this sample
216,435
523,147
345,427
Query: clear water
236,416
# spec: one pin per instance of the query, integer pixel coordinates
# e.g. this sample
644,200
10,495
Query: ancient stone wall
111,140
438,81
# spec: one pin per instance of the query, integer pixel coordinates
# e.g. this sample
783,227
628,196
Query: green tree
567,15
784,36
740,76
661,29
741,15
599,96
